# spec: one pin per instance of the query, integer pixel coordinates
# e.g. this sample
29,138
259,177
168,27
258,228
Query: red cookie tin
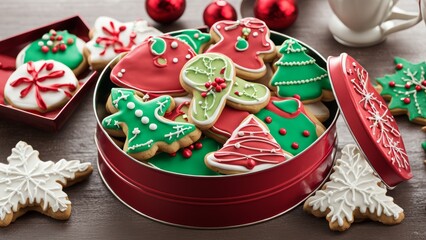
369,119
213,201
9,49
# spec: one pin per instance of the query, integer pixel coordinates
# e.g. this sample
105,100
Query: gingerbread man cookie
60,46
154,66
246,42
406,90
40,86
29,184
110,37
144,126
353,193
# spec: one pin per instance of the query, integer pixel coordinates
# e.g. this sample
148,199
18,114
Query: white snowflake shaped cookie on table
29,184
353,193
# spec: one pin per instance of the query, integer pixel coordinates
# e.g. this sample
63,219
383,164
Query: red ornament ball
217,11
165,11
277,14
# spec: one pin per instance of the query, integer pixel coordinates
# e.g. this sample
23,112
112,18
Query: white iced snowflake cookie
29,184
353,193
40,86
110,37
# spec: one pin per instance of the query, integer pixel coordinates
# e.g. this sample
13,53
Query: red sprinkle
45,49
132,35
52,38
198,145
53,32
219,80
191,147
207,85
59,38
49,66
172,154
186,153
399,66
214,84
71,41
391,84
306,133
223,85
62,47
122,28
295,145
250,164
218,89
407,86
54,49
297,96
418,88
283,131
268,119
222,71
407,100
237,93
203,94
424,83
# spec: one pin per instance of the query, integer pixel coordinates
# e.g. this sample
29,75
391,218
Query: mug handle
390,26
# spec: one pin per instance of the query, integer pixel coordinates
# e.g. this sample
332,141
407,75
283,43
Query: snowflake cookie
29,184
353,193
406,90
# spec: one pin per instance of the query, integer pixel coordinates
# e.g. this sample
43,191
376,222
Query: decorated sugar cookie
60,46
146,130
353,193
40,86
406,90
247,43
249,96
194,38
154,66
110,37
30,184
298,75
250,148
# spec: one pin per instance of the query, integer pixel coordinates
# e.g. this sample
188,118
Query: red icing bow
114,39
36,80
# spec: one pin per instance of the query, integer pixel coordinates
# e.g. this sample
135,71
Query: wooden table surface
97,214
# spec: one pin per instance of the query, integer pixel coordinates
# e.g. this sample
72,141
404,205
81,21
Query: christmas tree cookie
298,75
246,42
154,66
406,90
146,130
110,37
60,46
194,38
250,148
354,193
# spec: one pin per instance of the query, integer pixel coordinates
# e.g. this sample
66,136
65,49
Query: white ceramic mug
361,23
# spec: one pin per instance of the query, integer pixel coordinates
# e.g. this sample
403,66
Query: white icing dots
123,70
145,120
49,43
138,113
152,126
237,145
175,60
240,134
188,56
40,43
119,74
255,34
196,36
174,44
45,37
130,105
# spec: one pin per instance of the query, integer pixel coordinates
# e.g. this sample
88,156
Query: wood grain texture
96,214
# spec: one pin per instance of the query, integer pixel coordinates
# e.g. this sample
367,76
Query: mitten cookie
60,46
246,42
110,37
29,184
194,38
146,130
298,75
250,148
40,86
353,193
406,90
154,66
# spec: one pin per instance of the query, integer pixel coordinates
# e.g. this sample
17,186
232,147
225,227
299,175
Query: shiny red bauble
217,11
277,14
165,11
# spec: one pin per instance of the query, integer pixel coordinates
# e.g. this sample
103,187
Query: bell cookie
60,46
298,75
40,86
162,59
246,42
30,184
406,90
146,130
250,148
110,37
354,193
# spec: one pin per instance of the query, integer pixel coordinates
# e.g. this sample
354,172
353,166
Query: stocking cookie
29,184
60,46
247,43
406,90
250,148
40,86
146,130
154,66
353,193
194,38
298,75
110,37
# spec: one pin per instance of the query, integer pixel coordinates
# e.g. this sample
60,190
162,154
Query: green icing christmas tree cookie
146,130
196,39
298,75
406,90
189,160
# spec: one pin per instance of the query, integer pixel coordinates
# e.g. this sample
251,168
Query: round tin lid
369,120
